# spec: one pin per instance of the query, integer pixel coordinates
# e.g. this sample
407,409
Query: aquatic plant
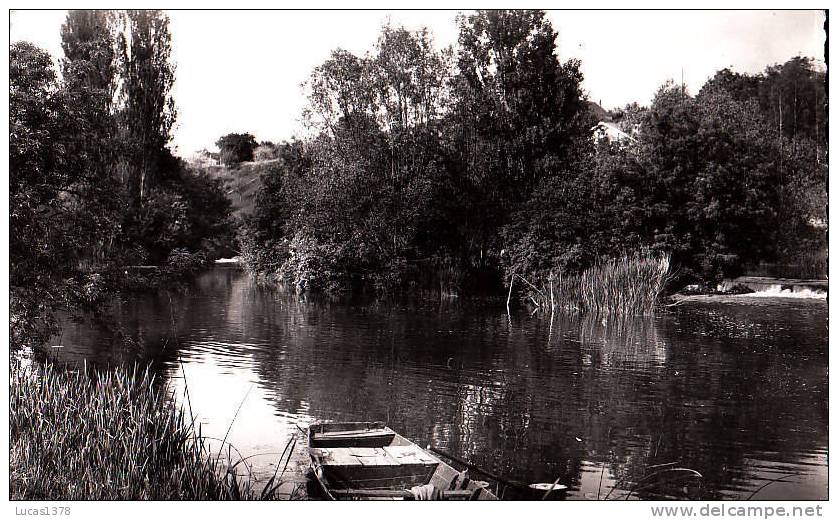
109,435
628,285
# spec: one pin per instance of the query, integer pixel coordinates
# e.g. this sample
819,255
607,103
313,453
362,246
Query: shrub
313,265
182,263
265,152
261,256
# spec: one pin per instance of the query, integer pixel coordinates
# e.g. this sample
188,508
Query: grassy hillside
242,183
599,113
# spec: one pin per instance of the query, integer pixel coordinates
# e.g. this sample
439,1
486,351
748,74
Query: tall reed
628,285
108,435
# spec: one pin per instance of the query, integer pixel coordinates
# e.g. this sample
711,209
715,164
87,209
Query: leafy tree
93,186
89,70
794,94
714,164
592,209
405,149
146,108
518,113
46,240
374,162
490,164
90,55
236,148
791,98
187,210
740,87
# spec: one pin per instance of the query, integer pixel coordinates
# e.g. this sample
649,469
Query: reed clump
629,285
108,435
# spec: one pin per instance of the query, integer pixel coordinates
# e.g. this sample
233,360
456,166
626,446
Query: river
734,391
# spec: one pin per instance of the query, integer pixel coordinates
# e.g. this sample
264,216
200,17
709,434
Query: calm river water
737,392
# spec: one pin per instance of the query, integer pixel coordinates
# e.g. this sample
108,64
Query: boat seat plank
351,433
373,457
342,438
355,457
397,493
410,455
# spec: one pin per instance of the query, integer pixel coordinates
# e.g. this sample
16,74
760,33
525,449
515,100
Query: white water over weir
766,287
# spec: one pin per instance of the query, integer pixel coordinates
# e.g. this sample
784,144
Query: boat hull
369,461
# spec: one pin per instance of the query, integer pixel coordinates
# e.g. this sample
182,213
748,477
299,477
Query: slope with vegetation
241,184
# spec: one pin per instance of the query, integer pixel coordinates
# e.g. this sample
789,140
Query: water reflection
737,393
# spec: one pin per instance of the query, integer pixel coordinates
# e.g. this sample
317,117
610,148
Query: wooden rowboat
367,460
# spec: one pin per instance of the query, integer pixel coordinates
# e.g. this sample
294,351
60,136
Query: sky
241,71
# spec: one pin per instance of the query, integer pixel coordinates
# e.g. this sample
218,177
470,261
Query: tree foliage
146,110
415,162
45,174
714,172
519,117
93,186
88,39
236,148
791,100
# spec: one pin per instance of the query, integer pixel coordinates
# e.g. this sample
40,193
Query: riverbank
108,435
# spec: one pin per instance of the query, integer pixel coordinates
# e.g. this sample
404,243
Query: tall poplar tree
90,73
147,110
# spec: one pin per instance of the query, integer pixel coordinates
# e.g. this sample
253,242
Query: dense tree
90,55
518,114
414,163
740,87
93,187
46,240
794,94
591,210
483,161
236,148
90,74
708,178
713,166
792,101
171,209
374,162
186,211
791,96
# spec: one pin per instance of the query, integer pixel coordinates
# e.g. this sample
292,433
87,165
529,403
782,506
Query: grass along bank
110,435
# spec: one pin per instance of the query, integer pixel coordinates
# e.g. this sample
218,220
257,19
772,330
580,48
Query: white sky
240,71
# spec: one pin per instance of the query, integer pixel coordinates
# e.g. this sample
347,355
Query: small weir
764,286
